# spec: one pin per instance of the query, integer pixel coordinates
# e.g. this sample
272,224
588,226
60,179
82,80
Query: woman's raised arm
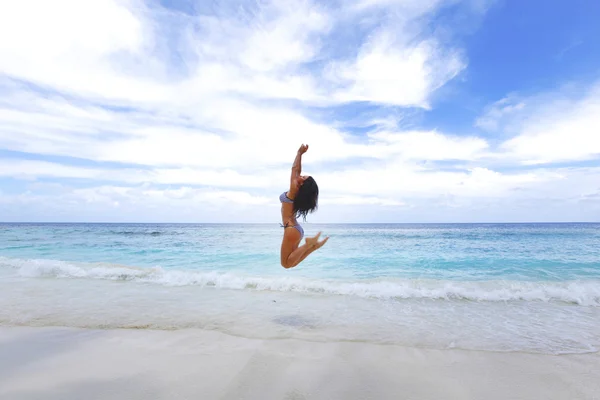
297,168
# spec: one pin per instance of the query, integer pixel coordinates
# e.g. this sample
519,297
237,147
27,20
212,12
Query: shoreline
73,363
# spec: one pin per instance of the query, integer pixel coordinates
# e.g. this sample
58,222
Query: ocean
492,287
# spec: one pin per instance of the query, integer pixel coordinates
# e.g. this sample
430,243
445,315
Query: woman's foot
321,243
314,243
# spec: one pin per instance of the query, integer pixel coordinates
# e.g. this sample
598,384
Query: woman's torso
287,210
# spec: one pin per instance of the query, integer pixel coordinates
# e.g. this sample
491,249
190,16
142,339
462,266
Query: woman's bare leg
313,241
298,255
301,252
314,247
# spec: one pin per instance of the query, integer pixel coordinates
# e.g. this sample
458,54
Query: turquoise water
498,287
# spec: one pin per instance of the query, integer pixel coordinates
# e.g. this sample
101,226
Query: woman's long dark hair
307,198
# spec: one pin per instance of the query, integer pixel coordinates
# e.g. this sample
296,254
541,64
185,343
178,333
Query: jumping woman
299,200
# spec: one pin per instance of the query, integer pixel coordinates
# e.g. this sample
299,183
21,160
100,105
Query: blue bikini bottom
298,227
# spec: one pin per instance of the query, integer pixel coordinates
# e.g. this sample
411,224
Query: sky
192,111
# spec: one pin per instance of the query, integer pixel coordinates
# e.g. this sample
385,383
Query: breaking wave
580,292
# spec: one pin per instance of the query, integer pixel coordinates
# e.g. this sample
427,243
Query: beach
67,363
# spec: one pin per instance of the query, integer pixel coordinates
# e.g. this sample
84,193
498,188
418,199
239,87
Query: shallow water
498,287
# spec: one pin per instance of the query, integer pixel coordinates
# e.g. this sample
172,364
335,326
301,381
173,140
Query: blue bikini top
284,199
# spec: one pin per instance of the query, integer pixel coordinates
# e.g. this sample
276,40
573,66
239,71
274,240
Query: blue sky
191,111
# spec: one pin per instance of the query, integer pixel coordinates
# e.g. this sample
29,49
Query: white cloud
257,138
139,203
178,112
201,120
120,52
32,170
388,71
402,182
565,134
291,37
360,200
386,184
497,112
427,145
414,8
83,48
566,194
558,126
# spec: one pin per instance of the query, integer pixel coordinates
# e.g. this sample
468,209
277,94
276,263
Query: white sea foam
586,293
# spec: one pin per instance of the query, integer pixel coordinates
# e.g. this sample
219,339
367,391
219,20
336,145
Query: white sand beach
67,363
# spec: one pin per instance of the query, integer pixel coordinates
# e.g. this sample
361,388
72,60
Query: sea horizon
302,222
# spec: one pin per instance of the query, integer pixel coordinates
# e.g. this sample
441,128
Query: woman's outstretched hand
303,149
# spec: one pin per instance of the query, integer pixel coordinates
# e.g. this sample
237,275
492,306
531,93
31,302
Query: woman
299,200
